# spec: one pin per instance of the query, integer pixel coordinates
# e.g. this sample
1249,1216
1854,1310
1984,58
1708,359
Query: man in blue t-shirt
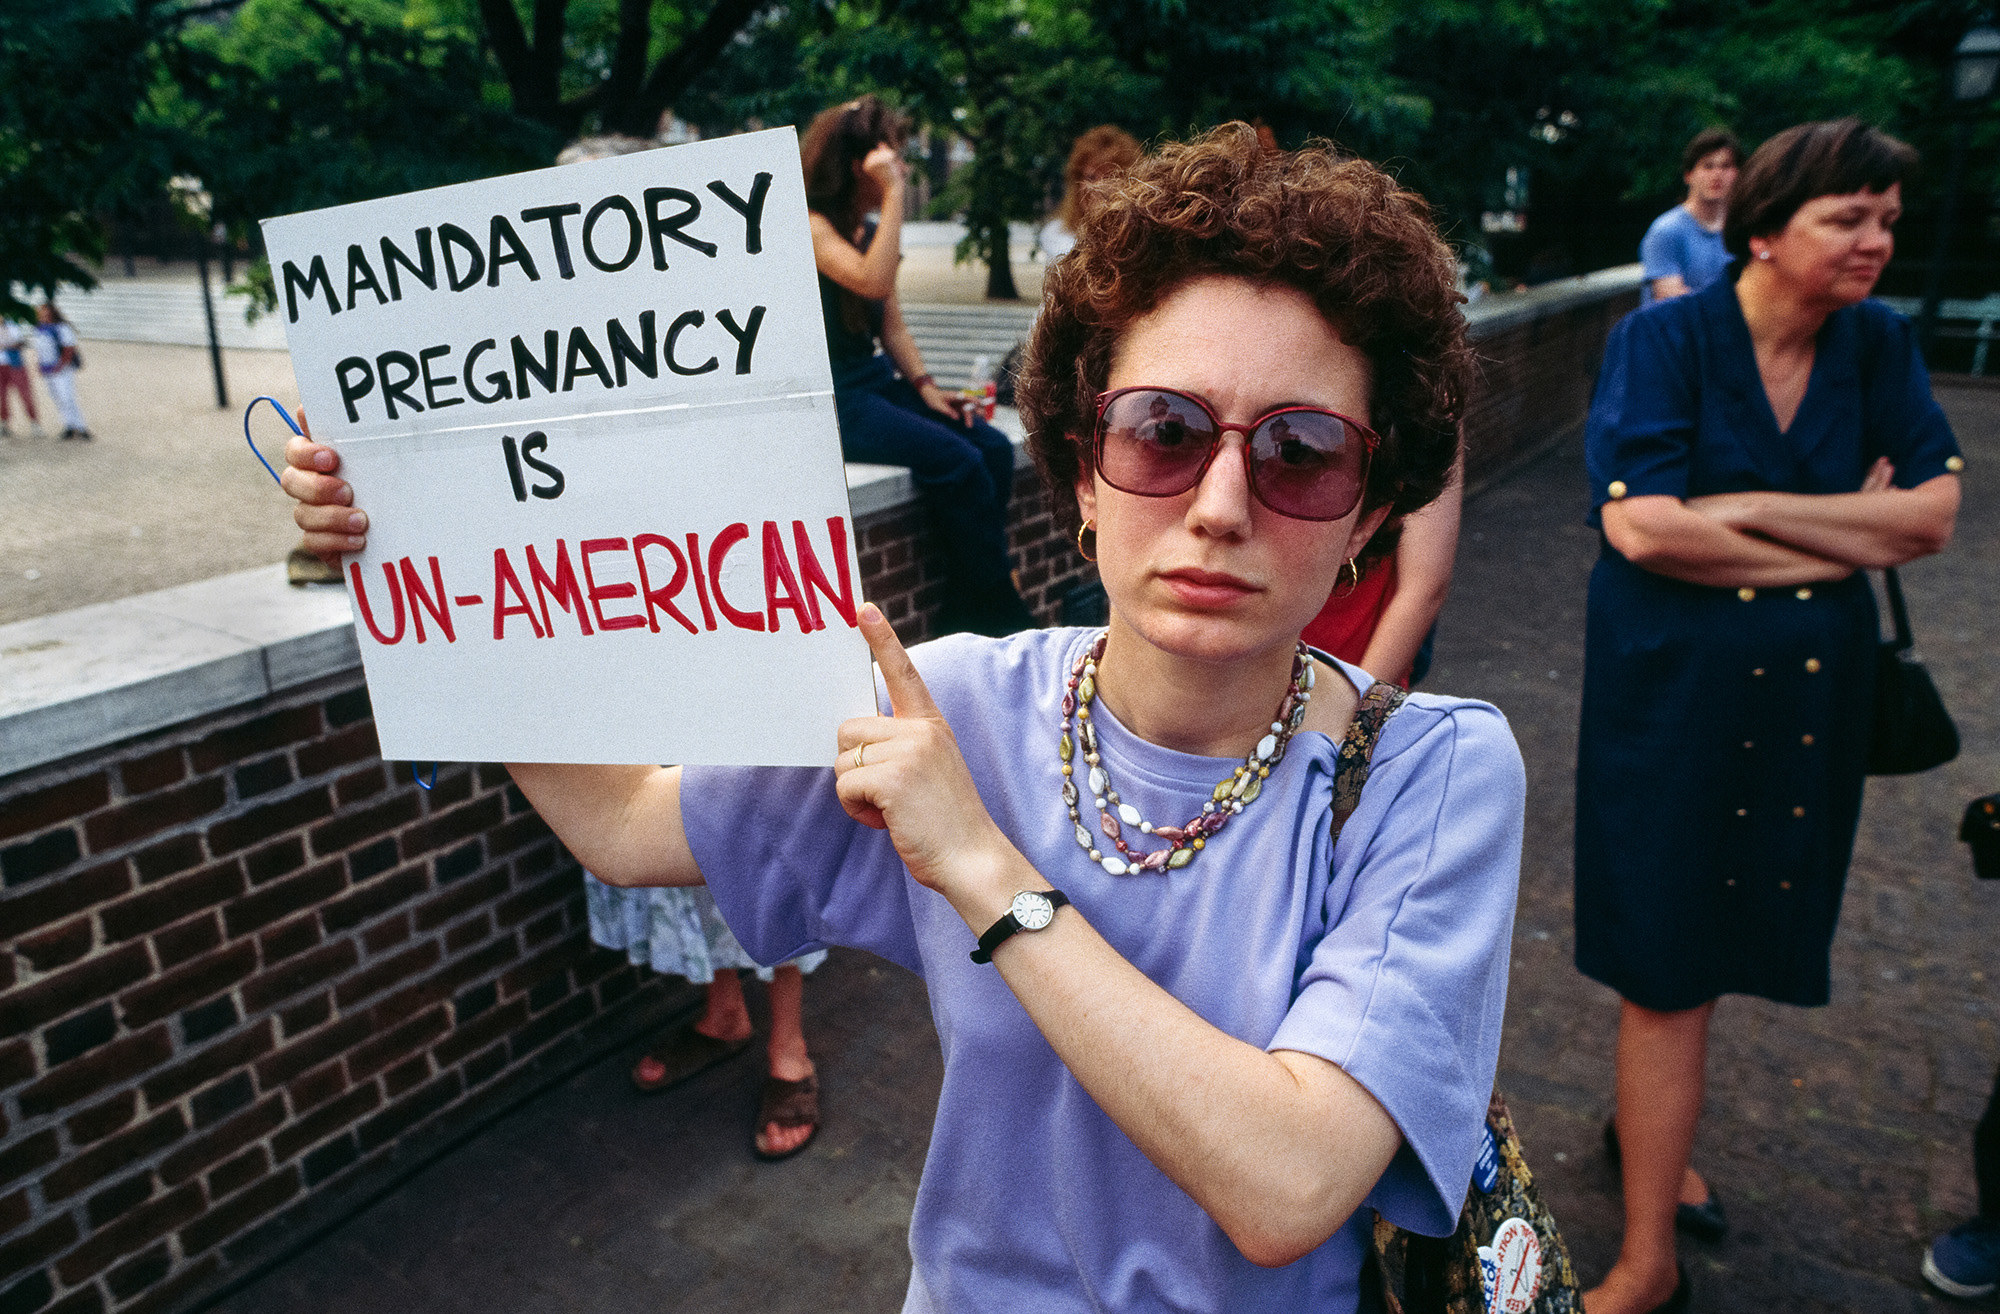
1683,250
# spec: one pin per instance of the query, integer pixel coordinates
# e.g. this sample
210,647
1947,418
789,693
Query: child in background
14,379
59,359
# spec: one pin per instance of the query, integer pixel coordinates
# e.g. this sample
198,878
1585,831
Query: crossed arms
1767,539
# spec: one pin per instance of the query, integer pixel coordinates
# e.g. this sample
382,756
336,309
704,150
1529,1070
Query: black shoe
1682,1297
1704,1222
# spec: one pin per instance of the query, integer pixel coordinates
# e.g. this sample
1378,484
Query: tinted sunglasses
1304,462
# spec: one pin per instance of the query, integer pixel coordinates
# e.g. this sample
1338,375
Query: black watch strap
997,933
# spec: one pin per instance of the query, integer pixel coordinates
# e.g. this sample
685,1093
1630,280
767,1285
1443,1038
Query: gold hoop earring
1087,527
1347,566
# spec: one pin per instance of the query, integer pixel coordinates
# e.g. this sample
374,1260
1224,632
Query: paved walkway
1838,1136
166,493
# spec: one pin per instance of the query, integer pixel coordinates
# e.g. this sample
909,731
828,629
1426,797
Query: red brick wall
902,573
246,956
247,961
1534,382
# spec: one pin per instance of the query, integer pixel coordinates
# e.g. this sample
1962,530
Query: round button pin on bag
1511,1267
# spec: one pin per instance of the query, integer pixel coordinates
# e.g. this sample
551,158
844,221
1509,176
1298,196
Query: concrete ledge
1504,310
86,678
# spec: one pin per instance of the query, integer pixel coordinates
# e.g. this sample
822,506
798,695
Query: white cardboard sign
589,412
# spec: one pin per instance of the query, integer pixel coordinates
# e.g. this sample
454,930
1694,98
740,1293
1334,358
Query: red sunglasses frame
1370,440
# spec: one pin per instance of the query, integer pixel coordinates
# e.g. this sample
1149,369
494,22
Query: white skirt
673,929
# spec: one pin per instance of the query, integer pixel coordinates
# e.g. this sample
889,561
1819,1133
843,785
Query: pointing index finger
908,695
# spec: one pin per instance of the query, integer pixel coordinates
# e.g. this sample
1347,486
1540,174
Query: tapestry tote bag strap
1507,1253
1357,747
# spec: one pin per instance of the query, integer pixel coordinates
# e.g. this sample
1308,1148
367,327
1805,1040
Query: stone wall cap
1504,310
90,677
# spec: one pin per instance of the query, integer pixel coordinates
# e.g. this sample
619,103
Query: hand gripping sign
589,412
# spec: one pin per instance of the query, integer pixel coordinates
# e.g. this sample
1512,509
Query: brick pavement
1837,1136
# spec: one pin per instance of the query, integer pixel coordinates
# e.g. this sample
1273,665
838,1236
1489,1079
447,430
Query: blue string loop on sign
421,782
284,415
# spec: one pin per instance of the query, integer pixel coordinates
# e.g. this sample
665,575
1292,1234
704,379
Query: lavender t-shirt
1386,954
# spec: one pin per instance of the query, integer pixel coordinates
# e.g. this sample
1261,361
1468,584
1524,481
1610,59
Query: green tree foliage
281,105
70,78
617,64
296,104
1018,79
1593,102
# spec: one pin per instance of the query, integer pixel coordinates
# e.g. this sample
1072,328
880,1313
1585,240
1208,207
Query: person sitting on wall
891,411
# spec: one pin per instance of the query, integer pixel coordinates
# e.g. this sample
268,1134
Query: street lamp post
208,312
198,205
1975,65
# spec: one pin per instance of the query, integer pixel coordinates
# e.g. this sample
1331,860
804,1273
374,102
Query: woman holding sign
891,411
1190,1028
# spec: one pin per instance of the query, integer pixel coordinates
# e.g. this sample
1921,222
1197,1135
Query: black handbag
1912,731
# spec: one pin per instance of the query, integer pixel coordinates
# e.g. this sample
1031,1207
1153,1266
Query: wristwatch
1030,911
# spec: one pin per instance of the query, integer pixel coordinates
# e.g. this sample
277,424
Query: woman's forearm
884,257
1425,555
1666,536
898,342
1278,1148
623,823
1399,635
871,273
1863,530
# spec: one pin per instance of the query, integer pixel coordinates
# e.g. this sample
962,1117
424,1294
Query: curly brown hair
1105,148
1336,228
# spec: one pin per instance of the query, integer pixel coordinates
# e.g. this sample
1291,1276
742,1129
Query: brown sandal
788,1104
681,1055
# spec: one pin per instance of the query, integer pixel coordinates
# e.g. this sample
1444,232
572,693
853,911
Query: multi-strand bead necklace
1227,799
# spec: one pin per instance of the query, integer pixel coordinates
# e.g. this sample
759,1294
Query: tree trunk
999,267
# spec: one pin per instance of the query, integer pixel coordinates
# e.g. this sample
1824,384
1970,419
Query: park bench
952,337
1959,318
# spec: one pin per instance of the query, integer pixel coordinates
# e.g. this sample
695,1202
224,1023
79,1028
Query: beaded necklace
1226,800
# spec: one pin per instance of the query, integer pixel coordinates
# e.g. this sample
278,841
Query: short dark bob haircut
1707,142
1338,229
1836,157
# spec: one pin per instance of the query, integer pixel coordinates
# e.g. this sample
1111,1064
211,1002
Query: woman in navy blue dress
1752,450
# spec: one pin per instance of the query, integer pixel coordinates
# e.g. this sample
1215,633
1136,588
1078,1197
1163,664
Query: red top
1348,620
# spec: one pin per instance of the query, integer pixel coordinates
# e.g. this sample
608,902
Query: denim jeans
965,473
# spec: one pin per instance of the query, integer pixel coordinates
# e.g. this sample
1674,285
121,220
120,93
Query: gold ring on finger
858,751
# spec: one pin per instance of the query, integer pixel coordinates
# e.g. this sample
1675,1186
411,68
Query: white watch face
1032,910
